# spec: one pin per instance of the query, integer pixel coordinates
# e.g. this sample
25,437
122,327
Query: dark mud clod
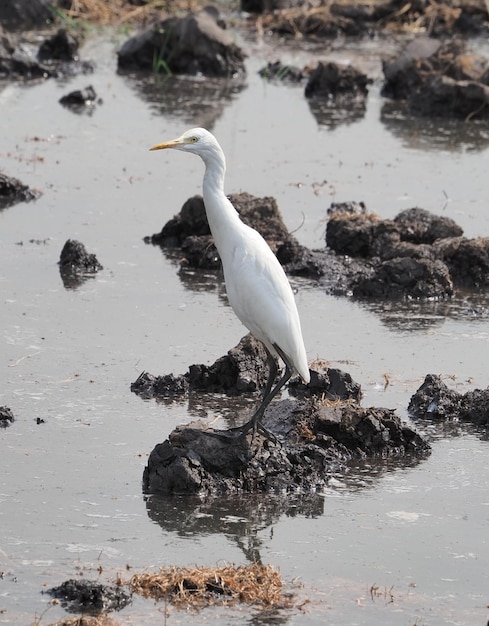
80,99
189,231
86,596
194,44
316,440
76,265
13,191
435,401
6,416
311,437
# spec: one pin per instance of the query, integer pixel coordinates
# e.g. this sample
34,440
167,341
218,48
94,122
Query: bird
257,287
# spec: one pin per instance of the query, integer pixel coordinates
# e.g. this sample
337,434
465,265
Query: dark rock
279,71
87,596
407,277
342,84
467,260
316,441
189,230
439,19
62,46
13,191
25,14
401,74
331,384
243,369
421,226
80,98
345,209
192,45
6,417
56,57
439,79
351,234
434,400
76,264
17,64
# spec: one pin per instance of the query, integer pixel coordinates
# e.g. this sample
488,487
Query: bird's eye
194,139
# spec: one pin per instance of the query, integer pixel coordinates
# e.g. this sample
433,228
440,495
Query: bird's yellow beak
173,143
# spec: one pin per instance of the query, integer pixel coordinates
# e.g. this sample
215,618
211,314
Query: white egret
256,285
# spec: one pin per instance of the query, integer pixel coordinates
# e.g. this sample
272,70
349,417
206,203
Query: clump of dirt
12,191
189,231
90,597
6,417
415,255
435,78
344,17
80,99
76,265
434,400
195,587
194,44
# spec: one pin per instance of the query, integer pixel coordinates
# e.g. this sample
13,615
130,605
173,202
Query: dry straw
184,586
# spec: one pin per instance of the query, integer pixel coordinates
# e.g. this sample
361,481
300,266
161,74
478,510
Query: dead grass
196,587
104,12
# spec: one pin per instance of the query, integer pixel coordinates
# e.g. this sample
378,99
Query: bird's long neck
221,215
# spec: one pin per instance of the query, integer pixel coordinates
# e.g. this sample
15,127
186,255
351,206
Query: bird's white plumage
257,287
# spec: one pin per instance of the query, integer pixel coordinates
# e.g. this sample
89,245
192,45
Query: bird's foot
240,432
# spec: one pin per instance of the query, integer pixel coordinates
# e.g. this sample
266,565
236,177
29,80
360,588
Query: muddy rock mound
436,78
13,191
195,44
415,255
57,56
80,99
6,417
331,20
278,71
406,277
25,14
189,231
434,400
76,264
341,84
467,260
62,46
243,369
87,596
316,440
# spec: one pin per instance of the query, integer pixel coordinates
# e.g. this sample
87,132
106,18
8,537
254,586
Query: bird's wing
261,296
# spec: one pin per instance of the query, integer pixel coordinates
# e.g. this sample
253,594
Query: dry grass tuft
199,586
103,12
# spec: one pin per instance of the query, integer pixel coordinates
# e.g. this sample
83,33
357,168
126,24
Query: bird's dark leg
269,394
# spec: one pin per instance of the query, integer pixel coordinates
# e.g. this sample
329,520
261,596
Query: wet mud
89,597
12,191
435,401
416,255
76,265
317,432
315,439
6,416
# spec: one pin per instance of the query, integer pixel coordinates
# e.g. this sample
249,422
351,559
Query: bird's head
196,140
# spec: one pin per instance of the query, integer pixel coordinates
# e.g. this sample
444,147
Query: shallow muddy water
389,543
